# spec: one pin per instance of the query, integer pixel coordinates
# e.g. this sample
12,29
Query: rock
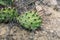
53,2
3,30
38,7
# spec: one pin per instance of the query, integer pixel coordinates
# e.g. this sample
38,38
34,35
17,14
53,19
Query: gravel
50,29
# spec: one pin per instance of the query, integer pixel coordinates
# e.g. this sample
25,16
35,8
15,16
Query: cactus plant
7,14
30,20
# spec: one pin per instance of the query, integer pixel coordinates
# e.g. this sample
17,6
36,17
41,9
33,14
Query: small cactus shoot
30,20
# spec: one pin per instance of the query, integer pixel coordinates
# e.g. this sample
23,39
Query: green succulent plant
8,14
30,20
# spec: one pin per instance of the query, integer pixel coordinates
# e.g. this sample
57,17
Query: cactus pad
7,14
30,20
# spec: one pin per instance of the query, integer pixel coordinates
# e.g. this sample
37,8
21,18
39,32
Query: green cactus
7,14
30,20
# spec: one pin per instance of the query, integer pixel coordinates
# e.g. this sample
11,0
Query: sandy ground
50,29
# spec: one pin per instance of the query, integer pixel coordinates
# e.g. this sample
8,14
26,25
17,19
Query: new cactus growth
30,20
7,14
